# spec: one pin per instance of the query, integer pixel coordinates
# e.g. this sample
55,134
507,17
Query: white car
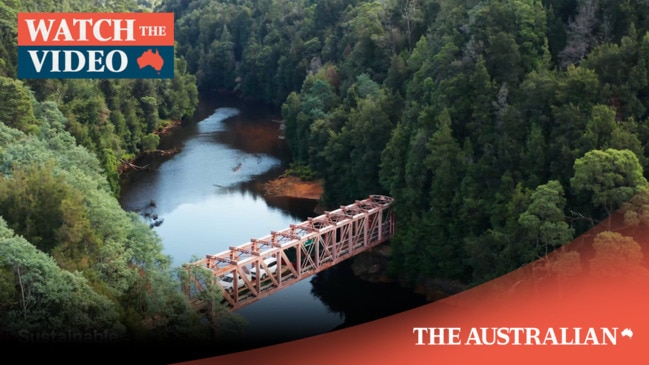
271,262
227,281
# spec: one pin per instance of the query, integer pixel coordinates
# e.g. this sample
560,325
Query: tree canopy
481,118
72,261
502,128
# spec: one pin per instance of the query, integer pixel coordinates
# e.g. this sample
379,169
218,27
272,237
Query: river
206,198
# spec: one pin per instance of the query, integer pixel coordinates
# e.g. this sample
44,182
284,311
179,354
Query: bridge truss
300,251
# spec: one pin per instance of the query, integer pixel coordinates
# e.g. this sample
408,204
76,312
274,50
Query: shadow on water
359,301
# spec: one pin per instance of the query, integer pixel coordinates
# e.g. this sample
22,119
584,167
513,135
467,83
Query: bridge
293,254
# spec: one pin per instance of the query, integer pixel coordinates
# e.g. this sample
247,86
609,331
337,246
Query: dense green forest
73,263
502,128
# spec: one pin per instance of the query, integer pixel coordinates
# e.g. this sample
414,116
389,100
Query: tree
412,14
31,201
567,264
544,220
610,177
41,297
534,156
368,47
616,256
445,165
370,124
16,106
150,142
393,156
210,296
290,111
581,33
599,129
149,106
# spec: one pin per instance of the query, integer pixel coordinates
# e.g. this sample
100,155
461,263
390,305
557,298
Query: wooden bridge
297,252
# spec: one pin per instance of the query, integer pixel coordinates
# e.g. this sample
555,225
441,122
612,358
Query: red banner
95,29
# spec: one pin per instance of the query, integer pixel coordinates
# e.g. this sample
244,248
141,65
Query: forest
503,129
73,263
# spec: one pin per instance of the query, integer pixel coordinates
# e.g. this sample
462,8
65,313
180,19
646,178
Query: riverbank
293,187
138,162
168,126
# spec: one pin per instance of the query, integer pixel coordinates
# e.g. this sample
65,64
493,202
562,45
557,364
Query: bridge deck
300,251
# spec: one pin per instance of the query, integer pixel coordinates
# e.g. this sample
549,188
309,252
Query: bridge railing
299,251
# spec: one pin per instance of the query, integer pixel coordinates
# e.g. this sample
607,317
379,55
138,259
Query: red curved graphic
586,302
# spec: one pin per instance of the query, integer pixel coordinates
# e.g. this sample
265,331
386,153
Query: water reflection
216,222
289,316
209,197
360,301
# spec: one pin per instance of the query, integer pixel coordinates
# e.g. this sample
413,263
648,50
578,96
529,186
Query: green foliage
40,297
301,113
150,142
472,125
501,128
16,106
71,260
210,297
301,171
610,177
544,220
33,199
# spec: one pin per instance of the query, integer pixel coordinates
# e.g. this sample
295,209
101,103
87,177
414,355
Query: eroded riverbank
293,187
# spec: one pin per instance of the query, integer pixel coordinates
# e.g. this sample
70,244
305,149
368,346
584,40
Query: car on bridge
227,281
271,262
